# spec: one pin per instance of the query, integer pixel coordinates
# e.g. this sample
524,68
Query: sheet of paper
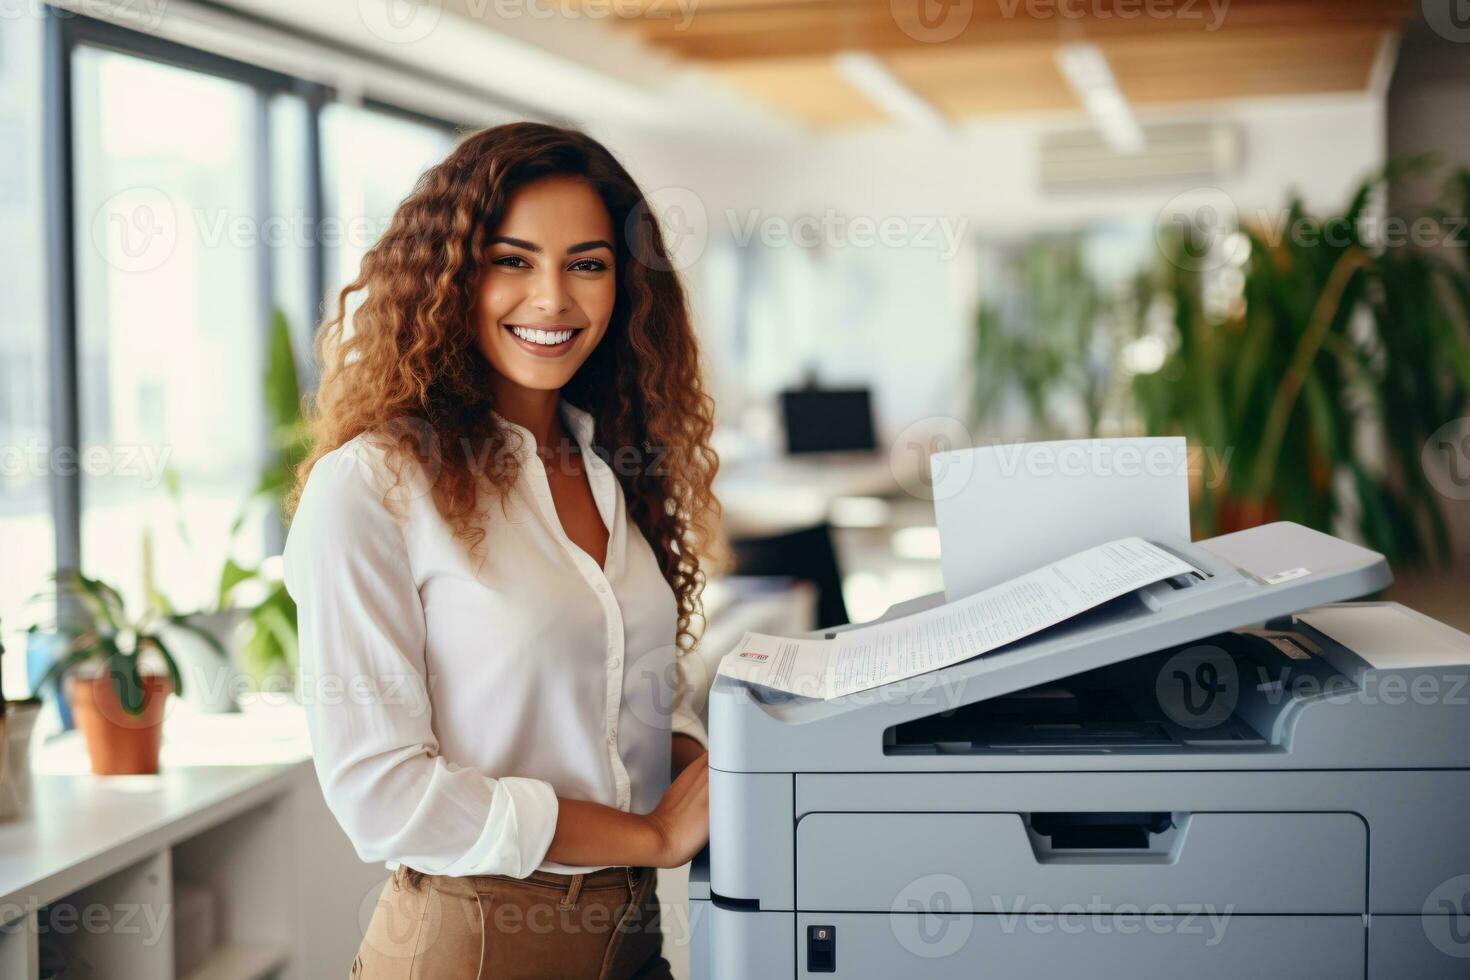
1003,510
868,656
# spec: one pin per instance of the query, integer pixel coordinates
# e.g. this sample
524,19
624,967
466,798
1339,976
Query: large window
26,528
370,161
170,322
204,194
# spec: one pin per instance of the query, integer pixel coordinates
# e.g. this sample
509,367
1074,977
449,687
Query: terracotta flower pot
119,743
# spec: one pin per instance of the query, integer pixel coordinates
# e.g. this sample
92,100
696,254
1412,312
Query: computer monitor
825,420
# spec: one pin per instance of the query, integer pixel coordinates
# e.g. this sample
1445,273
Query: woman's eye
588,265
513,262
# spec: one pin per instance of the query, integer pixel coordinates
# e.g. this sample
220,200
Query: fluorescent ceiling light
1085,68
872,77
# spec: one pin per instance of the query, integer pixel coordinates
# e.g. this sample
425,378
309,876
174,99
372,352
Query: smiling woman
470,515
548,299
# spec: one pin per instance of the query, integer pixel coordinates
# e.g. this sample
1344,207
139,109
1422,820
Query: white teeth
549,338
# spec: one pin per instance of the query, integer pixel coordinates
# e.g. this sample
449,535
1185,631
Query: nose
548,294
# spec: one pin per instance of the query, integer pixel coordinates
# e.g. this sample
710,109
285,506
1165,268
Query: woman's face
549,286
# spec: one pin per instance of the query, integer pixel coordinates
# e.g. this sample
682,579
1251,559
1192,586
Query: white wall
901,317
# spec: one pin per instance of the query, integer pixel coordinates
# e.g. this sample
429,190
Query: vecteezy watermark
912,449
930,916
145,462
680,11
399,919
136,229
1446,917
950,469
932,21
834,230
140,15
1374,230
412,692
400,21
147,920
660,681
936,690
933,917
1450,19
1198,230
1374,688
1100,918
1446,459
1210,14
936,21
1198,687
679,217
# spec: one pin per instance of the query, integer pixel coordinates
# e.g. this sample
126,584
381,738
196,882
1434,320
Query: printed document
868,656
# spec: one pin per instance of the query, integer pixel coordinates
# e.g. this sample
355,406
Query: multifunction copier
1230,774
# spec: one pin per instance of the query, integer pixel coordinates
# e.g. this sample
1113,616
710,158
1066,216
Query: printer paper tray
1249,863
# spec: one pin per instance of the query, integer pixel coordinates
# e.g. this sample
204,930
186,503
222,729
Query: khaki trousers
602,926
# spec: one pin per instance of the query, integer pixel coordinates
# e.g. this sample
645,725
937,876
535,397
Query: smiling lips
543,343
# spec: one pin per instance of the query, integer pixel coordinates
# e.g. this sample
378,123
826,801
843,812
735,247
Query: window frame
64,32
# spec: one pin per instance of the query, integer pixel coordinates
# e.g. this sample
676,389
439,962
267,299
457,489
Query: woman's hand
681,818
590,833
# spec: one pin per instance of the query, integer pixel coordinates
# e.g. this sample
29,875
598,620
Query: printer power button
821,949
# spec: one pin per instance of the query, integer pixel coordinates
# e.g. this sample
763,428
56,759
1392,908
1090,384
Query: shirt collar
579,423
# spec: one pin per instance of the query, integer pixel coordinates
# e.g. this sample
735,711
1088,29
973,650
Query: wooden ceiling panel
806,89
1000,55
963,82
1192,69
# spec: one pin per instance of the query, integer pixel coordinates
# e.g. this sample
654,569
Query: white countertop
81,827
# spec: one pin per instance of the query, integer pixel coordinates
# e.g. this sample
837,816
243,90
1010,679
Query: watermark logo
1196,230
1198,687
834,230
931,917
659,681
400,21
398,920
1450,19
1206,922
1446,917
1446,459
138,15
932,21
136,229
924,459
679,214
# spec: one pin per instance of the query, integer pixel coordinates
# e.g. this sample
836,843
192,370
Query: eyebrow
533,247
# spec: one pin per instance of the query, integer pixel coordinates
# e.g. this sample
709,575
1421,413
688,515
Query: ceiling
980,58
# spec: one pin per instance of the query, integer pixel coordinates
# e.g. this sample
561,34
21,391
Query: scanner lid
1248,577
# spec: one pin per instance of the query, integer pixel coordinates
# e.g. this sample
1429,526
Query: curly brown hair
411,354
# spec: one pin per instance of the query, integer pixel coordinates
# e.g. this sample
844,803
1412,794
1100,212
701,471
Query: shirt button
601,588
614,663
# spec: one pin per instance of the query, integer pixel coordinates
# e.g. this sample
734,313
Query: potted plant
269,650
109,668
201,641
1327,375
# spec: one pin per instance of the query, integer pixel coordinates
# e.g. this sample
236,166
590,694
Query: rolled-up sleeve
689,697
364,686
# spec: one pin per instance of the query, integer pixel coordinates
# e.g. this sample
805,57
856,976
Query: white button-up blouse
450,706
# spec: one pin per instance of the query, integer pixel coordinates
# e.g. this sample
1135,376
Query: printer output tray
1249,577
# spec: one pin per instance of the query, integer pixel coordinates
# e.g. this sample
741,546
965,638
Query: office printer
1229,774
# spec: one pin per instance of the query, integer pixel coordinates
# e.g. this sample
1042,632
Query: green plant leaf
122,668
168,659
